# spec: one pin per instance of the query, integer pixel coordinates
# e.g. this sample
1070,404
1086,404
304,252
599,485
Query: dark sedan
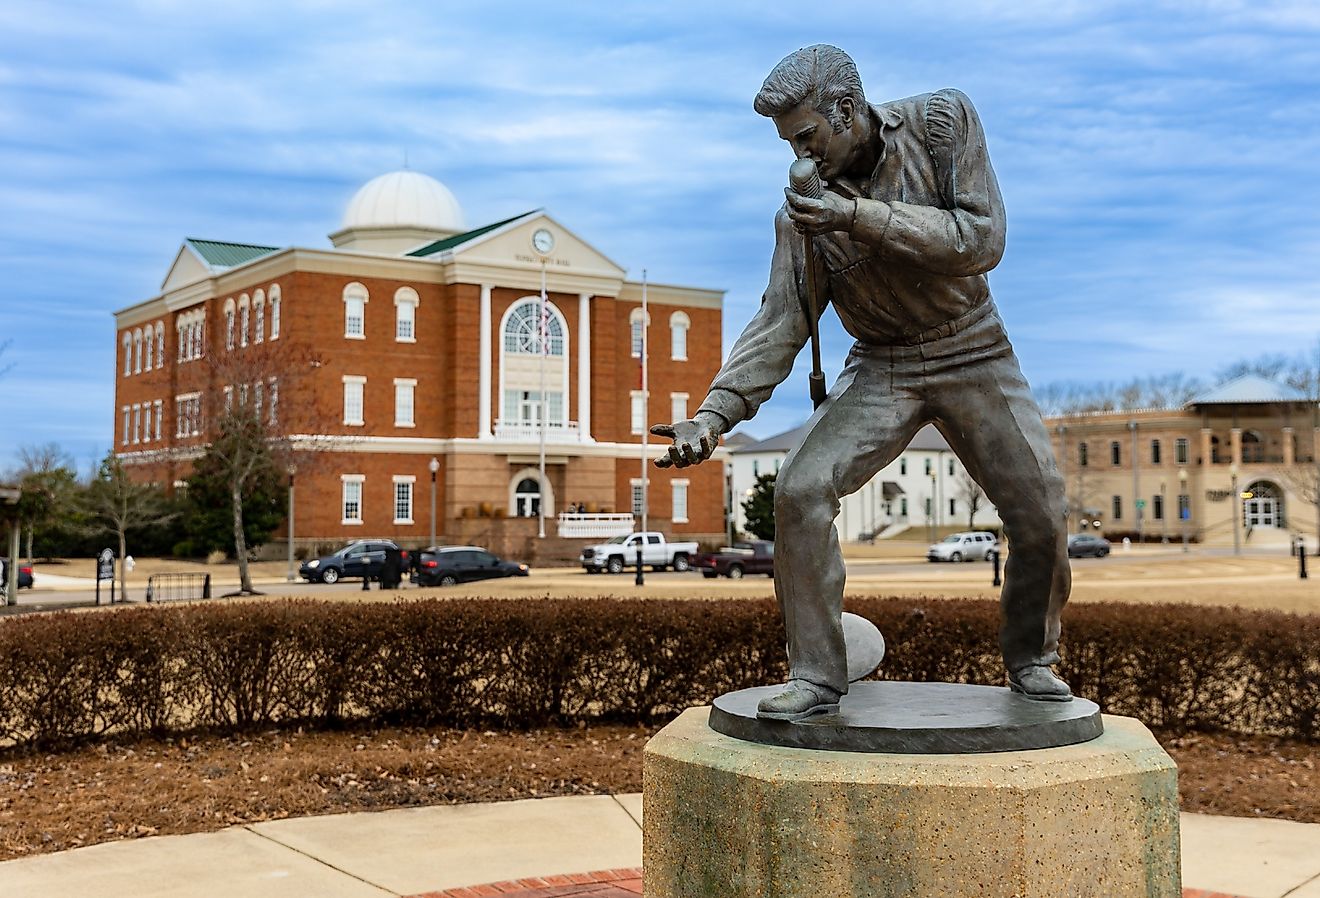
364,558
25,578
1084,545
448,565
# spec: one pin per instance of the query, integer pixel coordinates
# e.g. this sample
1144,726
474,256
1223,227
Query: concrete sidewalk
418,850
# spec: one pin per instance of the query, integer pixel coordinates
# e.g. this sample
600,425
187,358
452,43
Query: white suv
970,546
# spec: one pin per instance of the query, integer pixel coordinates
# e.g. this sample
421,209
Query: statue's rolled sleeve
763,354
967,237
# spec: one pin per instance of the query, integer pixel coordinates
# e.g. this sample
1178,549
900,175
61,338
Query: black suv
447,565
364,558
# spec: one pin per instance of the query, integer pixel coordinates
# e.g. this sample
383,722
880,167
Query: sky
1159,161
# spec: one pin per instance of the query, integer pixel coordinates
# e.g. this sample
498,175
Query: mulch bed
52,802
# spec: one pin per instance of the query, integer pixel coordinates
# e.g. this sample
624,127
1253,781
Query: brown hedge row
533,662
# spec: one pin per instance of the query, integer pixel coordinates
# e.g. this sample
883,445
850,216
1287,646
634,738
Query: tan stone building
411,353
1238,463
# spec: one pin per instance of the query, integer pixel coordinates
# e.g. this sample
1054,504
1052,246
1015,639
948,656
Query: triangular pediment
187,268
510,244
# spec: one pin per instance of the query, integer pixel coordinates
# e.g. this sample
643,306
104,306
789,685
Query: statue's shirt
929,226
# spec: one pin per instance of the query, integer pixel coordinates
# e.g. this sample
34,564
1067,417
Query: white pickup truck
621,552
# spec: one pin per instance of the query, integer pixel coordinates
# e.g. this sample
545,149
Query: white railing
594,526
528,432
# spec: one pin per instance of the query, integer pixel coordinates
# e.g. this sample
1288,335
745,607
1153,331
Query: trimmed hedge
535,662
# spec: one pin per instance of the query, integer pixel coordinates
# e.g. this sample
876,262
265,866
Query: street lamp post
1237,509
1164,514
291,575
433,465
1182,491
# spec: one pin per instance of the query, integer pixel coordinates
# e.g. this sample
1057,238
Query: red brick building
415,339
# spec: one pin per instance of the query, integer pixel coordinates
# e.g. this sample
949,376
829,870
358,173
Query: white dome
404,199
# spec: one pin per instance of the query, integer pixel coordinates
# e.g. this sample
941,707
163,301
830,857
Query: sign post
105,570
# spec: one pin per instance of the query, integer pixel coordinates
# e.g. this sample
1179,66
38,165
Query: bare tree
970,492
48,476
121,504
250,426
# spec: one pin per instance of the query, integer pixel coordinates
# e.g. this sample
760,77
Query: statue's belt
950,327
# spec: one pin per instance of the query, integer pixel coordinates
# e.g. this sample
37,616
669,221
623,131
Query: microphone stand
804,179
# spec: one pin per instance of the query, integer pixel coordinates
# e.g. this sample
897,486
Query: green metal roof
458,239
220,254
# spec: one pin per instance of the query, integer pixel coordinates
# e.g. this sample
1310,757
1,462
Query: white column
484,362
584,367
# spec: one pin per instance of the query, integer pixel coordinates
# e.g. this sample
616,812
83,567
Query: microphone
804,179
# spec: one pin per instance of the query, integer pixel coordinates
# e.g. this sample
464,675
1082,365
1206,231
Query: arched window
160,344
148,345
636,328
244,320
355,311
679,323
523,326
137,351
274,311
229,324
1253,447
259,313
527,498
405,315
128,353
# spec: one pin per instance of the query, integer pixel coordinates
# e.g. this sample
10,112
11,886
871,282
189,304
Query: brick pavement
610,884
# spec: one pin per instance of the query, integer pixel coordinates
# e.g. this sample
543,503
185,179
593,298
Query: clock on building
543,241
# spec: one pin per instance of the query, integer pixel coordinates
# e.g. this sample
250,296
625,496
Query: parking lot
1143,574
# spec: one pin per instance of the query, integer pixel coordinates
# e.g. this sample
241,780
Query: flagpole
545,347
646,406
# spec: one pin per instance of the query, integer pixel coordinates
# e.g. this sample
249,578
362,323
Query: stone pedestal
725,818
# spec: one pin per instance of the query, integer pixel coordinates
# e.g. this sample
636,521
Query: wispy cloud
1159,160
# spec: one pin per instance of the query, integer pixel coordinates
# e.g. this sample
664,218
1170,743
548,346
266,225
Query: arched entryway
1262,506
527,492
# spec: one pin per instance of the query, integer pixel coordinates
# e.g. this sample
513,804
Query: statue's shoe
1040,683
799,700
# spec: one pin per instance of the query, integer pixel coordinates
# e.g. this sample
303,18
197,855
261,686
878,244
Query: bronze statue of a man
909,224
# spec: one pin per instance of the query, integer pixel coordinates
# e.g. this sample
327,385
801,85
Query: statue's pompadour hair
820,74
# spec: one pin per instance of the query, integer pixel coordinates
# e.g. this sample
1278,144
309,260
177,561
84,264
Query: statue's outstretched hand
694,441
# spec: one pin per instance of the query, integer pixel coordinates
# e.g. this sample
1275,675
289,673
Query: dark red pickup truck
751,557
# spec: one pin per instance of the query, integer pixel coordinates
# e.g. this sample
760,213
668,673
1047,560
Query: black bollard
994,556
640,580
1301,560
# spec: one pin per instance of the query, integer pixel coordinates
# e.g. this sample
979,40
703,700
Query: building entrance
1264,508
527,498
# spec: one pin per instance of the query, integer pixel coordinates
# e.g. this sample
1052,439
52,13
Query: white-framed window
137,422
229,399
680,501
636,327
637,417
187,414
522,329
404,390
259,316
355,311
148,347
405,315
354,387
679,323
124,438
137,351
230,309
160,344
352,497
403,498
678,406
274,401
244,320
160,416
638,497
258,396
128,353
274,311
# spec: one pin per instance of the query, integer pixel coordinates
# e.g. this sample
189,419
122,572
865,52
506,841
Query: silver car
973,545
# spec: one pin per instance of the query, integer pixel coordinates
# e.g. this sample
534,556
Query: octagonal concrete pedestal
726,818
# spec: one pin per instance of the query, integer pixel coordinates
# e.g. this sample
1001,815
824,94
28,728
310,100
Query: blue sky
1160,161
